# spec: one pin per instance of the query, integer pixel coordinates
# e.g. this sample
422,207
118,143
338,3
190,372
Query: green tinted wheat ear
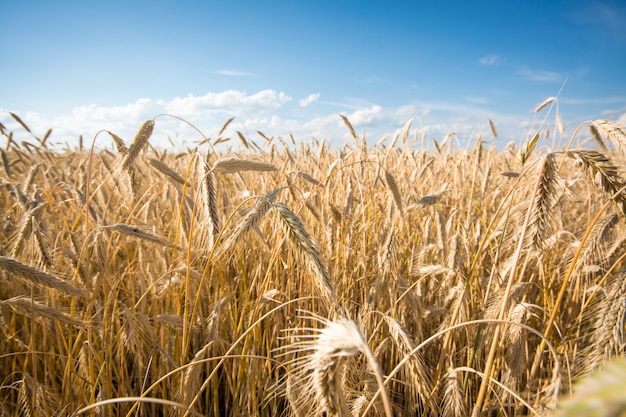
139,143
527,148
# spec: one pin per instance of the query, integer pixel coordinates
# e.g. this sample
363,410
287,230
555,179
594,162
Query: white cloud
490,60
309,99
227,101
622,120
269,111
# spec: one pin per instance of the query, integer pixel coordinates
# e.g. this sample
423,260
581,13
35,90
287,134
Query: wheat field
280,278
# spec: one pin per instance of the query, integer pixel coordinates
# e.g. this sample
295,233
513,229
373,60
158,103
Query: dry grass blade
139,143
232,165
40,278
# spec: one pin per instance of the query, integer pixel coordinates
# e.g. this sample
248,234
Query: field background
283,278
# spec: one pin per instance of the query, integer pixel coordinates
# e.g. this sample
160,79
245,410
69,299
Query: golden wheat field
280,278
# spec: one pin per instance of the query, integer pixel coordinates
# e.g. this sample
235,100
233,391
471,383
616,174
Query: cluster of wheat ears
292,279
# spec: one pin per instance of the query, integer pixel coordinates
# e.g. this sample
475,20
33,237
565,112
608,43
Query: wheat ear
549,189
29,307
40,278
295,230
139,143
600,169
210,199
233,165
323,370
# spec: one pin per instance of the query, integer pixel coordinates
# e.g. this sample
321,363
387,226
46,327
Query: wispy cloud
370,79
309,99
233,73
492,59
477,100
542,76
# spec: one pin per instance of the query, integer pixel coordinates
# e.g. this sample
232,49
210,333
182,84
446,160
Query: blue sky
291,67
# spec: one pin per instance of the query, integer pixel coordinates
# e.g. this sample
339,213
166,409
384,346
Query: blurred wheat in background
295,279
